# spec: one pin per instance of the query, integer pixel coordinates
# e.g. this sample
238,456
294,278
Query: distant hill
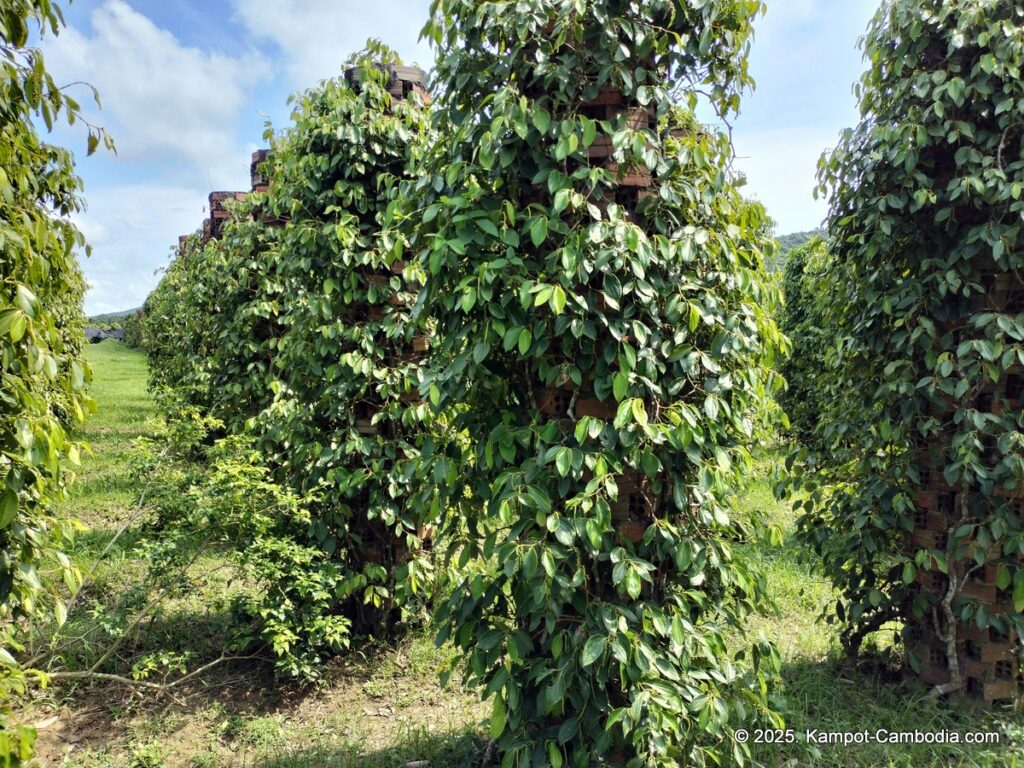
795,239
111,316
787,243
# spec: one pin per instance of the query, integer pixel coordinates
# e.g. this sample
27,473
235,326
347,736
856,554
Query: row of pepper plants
586,347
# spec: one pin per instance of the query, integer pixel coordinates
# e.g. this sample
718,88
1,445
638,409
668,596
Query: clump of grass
416,745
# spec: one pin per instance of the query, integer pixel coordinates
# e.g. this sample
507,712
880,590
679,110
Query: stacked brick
988,659
219,212
213,225
258,178
404,81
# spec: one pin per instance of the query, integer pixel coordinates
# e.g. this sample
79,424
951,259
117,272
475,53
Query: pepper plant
346,423
598,288
803,283
927,243
291,329
43,382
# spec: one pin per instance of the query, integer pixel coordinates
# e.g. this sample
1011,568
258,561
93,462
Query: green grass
824,693
106,489
384,707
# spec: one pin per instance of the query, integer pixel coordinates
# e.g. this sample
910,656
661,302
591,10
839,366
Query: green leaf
488,226
632,583
27,301
541,119
639,412
567,730
8,508
525,340
486,156
560,202
593,649
8,319
909,572
558,300
589,131
620,385
539,230
1003,577
711,407
498,717
563,461
1018,590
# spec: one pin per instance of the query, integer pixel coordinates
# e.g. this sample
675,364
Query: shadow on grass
416,747
93,541
836,697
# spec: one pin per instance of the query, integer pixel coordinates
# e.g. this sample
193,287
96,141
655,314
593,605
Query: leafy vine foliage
292,331
605,349
42,394
924,306
802,321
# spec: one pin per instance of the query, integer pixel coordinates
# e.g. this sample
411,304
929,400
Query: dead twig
159,687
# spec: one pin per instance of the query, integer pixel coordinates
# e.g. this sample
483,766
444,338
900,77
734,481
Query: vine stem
949,634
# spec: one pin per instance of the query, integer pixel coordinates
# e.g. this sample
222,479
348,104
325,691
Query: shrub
606,361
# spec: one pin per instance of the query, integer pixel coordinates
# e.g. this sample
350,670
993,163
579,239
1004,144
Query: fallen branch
130,682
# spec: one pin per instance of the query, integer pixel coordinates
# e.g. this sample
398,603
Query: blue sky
187,87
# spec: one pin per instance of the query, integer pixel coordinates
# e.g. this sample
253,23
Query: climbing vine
291,329
603,343
345,423
804,283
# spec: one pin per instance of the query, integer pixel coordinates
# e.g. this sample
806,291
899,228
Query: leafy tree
42,394
924,301
606,354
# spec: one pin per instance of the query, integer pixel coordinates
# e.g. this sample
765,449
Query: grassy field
384,707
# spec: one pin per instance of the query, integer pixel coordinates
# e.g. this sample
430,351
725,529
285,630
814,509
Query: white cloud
315,36
781,168
163,101
142,223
